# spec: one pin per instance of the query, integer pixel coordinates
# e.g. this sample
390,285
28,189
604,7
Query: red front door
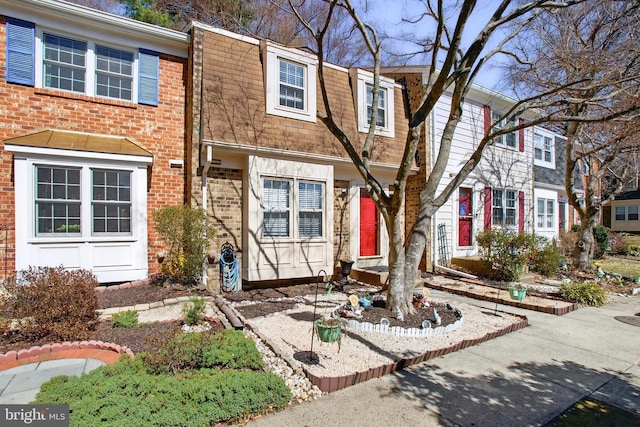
369,225
465,216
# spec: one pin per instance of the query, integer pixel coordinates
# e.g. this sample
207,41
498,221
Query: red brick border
558,311
330,384
107,352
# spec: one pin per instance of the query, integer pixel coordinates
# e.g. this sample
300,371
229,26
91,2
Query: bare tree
111,6
591,52
452,69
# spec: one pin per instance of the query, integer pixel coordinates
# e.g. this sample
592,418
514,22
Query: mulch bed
144,294
146,337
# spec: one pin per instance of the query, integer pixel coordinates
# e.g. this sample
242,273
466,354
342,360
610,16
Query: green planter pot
328,330
517,294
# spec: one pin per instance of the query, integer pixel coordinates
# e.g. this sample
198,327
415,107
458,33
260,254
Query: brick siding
161,130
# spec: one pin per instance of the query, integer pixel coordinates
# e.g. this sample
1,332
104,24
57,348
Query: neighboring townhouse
553,212
277,184
92,128
623,213
498,193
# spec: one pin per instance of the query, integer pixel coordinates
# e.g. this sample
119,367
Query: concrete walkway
20,385
524,378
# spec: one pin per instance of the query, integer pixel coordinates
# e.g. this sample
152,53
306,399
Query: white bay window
81,209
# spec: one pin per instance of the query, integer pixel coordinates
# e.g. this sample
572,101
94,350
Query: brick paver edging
558,311
331,384
107,352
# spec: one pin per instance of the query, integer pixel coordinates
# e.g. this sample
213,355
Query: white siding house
498,193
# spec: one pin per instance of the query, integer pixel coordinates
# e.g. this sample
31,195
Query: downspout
206,164
434,220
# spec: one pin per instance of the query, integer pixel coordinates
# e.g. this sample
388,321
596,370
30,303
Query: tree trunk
403,264
583,254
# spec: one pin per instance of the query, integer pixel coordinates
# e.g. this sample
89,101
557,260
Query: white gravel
291,332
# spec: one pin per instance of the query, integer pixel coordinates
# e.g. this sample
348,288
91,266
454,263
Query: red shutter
487,119
521,135
487,208
521,211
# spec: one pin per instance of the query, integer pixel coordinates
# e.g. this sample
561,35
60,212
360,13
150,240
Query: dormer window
290,82
362,82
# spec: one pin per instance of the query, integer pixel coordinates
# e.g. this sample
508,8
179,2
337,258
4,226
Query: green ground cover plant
229,349
125,319
133,392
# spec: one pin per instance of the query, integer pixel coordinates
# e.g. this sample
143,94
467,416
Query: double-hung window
381,119
504,204
510,139
627,213
114,73
292,84
276,208
280,216
362,84
111,201
289,82
545,217
64,63
310,211
48,59
57,201
543,150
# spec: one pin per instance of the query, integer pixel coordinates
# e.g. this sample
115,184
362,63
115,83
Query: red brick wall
161,130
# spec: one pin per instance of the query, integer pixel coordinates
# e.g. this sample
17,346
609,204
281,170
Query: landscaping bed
143,338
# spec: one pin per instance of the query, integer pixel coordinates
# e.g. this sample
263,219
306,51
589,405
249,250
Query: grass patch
133,393
631,239
593,413
625,267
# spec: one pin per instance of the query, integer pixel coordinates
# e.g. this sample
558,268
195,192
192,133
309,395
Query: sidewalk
20,385
524,378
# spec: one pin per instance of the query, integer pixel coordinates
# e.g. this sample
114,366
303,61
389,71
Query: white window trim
543,162
626,213
501,141
585,168
273,54
279,258
546,214
90,67
359,80
504,207
294,209
134,244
